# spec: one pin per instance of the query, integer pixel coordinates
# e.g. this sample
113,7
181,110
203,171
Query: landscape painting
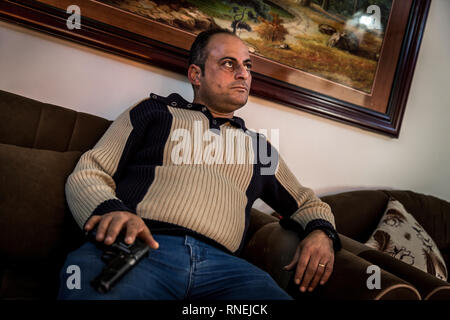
336,40
351,61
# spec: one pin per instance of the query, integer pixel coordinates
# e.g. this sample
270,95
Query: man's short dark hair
198,53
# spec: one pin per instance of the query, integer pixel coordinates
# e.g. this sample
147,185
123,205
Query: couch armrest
430,287
273,247
257,220
353,246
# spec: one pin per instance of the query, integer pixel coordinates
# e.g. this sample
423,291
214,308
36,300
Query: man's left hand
314,259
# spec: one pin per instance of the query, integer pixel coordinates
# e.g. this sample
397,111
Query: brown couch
39,146
357,215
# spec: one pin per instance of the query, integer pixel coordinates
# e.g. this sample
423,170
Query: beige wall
325,155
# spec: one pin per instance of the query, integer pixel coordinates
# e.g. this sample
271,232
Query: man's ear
194,74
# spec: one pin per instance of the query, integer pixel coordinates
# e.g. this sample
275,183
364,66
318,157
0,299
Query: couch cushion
32,202
357,213
31,123
401,236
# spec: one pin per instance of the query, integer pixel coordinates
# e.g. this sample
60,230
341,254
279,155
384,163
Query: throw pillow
32,201
401,236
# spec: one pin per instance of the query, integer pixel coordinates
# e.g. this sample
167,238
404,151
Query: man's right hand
110,225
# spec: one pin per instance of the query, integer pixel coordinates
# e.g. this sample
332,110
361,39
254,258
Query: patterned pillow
401,236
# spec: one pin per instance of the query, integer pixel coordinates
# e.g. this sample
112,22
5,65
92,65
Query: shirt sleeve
90,189
300,209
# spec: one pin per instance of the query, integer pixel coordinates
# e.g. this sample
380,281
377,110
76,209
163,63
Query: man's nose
242,72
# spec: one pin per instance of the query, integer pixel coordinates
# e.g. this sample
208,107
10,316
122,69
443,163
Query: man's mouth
240,88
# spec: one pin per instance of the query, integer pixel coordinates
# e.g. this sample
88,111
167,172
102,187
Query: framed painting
347,60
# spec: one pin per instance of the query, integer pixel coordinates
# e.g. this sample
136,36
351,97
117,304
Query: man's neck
214,113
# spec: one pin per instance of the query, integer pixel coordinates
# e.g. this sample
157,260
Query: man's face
225,84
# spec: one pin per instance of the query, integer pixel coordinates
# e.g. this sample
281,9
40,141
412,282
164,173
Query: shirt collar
177,101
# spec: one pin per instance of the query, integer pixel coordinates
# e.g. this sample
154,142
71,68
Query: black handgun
119,257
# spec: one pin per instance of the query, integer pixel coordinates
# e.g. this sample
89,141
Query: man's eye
248,67
228,64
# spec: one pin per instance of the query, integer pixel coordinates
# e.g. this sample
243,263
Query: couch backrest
34,124
358,213
40,145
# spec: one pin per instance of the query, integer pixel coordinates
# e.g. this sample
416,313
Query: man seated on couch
193,208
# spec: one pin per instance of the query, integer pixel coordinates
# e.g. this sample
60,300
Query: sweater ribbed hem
107,207
110,206
160,227
318,224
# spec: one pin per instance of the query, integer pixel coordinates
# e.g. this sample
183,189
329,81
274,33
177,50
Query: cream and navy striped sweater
148,163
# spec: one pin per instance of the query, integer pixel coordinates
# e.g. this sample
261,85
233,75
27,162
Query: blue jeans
182,268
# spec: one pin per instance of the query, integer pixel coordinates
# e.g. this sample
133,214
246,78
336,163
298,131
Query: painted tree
272,30
239,15
259,6
240,25
238,18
